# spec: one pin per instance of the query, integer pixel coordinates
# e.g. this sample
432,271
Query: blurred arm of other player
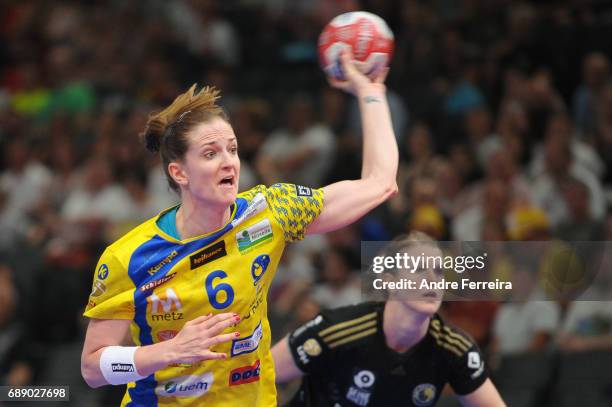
347,201
284,365
190,345
485,396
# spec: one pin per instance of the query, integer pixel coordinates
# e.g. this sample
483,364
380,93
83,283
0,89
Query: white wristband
117,364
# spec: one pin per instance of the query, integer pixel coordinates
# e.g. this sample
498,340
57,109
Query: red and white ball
369,37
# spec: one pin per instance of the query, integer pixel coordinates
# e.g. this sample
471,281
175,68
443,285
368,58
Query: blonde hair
166,130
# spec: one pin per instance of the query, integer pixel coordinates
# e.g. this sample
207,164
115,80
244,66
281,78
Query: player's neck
402,326
195,220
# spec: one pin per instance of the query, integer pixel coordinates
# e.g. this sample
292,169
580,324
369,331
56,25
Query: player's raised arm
347,201
105,361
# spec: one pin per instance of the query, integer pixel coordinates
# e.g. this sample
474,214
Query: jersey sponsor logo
166,334
157,283
162,263
248,344
254,236
303,191
474,362
245,374
259,267
309,324
424,395
302,354
102,271
362,390
98,289
312,347
257,205
165,307
122,367
259,299
205,256
185,386
359,397
364,379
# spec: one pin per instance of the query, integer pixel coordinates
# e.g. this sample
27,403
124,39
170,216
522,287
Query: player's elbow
91,375
386,189
391,190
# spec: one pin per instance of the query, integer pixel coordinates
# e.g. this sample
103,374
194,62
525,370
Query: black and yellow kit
347,362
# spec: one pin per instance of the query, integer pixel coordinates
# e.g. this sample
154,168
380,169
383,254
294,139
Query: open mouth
227,182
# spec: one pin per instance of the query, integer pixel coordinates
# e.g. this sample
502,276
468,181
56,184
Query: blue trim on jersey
148,255
167,223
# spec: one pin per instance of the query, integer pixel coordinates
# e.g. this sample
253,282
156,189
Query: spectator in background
587,326
23,184
301,152
207,33
97,196
595,75
559,165
429,220
512,129
523,327
584,155
494,204
580,225
543,101
603,140
451,198
340,284
16,367
251,119
422,162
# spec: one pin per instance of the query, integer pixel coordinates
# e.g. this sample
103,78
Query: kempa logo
254,236
122,367
165,307
185,386
204,256
162,263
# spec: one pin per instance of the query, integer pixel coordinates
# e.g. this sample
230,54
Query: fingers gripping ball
366,34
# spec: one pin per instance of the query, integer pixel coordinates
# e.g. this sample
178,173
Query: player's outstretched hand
356,81
192,344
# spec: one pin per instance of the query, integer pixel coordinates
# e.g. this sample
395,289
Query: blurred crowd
502,112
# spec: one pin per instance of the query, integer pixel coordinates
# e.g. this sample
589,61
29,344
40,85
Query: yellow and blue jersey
159,283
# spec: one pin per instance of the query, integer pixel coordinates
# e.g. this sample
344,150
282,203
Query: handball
366,34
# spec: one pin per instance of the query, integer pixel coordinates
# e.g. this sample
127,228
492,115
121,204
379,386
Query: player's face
423,301
211,163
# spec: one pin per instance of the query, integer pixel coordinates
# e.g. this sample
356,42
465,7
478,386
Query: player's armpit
347,201
484,396
284,365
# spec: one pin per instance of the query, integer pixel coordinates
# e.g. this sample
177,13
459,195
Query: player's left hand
356,82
